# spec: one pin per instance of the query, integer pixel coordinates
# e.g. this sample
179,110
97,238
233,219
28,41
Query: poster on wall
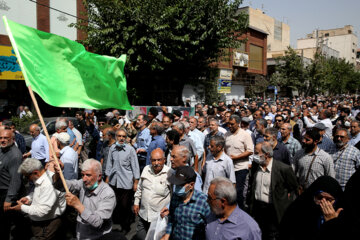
240,59
9,68
224,86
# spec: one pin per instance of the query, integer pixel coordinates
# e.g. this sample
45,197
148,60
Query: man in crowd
272,186
290,142
44,205
153,192
354,130
172,140
68,156
201,124
312,162
19,139
260,127
325,143
214,131
39,145
157,141
109,140
10,179
346,158
227,220
188,143
324,117
95,203
152,114
281,153
217,164
239,146
123,173
143,139
166,121
188,207
78,136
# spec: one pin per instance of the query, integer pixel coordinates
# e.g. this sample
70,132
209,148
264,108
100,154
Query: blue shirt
327,145
72,136
187,220
122,166
40,148
354,139
143,140
239,225
157,142
69,158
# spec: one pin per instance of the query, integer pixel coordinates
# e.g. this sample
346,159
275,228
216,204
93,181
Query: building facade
340,42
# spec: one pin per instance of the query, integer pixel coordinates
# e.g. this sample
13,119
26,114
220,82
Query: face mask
284,116
96,184
180,191
121,145
258,159
291,114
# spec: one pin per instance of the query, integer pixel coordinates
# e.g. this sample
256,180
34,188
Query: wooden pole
47,137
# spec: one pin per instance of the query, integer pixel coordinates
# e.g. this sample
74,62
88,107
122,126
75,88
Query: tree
165,40
289,72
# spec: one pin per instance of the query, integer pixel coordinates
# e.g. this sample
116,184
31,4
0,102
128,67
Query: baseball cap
320,126
183,174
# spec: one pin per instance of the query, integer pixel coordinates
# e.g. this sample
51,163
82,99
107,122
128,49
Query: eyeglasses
121,136
278,120
339,136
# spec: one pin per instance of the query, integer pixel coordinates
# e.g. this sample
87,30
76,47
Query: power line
55,9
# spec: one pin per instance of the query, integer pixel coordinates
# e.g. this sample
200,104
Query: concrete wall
266,23
59,22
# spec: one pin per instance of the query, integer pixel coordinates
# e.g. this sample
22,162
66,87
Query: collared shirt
198,142
156,142
239,225
72,136
327,122
69,158
143,139
207,141
346,162
281,153
221,129
263,183
78,136
122,167
327,145
95,220
223,167
153,191
46,202
292,145
237,143
187,220
187,142
10,179
20,142
323,166
354,139
104,153
40,148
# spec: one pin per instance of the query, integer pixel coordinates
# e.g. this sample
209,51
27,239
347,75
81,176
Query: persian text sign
9,68
224,86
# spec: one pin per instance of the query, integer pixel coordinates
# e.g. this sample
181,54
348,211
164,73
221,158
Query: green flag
64,74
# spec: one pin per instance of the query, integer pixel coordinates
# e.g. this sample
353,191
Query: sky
304,16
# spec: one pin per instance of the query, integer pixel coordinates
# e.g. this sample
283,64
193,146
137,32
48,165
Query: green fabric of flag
64,74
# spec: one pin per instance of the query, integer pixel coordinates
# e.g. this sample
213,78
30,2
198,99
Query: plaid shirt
346,162
327,145
323,166
292,145
187,220
20,142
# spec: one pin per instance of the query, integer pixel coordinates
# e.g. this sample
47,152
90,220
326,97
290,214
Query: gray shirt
122,166
95,220
10,179
323,166
223,167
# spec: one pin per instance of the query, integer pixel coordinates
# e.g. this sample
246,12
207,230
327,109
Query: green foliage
22,124
177,37
323,75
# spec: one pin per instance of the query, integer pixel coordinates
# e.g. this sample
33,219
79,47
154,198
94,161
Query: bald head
157,160
34,130
6,138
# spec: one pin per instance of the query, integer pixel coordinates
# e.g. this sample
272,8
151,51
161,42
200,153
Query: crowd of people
252,169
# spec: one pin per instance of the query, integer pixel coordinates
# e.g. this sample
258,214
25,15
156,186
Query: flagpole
47,137
13,43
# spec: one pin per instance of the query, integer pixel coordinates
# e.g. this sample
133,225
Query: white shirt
198,142
78,136
220,129
327,122
263,183
46,202
153,191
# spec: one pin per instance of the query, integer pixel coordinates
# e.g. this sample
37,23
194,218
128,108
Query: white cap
268,118
63,137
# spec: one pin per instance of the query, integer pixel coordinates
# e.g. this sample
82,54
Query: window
349,31
256,57
326,34
278,30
